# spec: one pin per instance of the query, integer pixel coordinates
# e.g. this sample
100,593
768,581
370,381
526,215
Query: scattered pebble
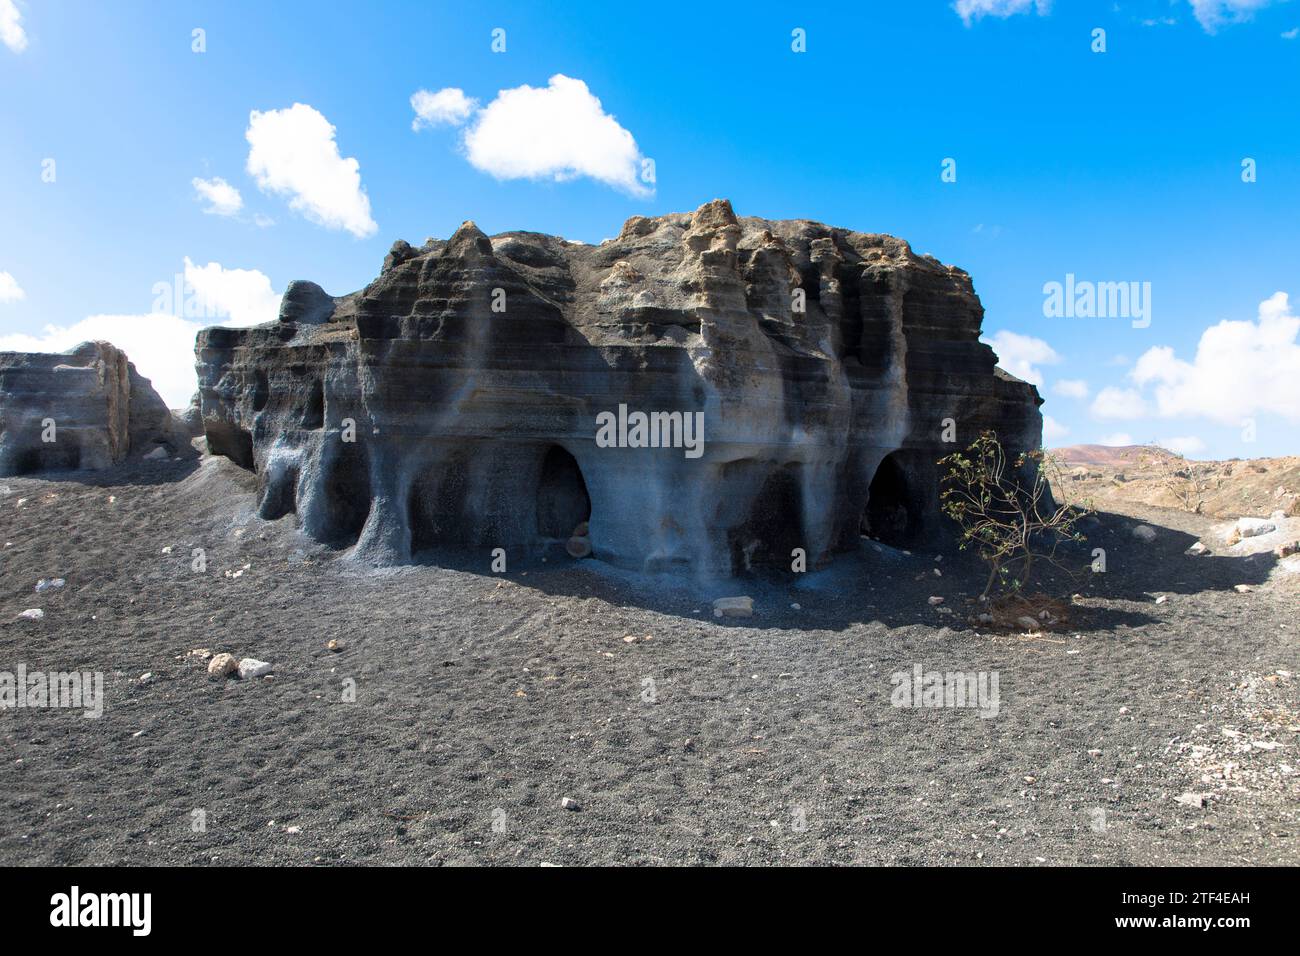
1196,800
935,600
1144,532
49,584
568,803
32,614
334,645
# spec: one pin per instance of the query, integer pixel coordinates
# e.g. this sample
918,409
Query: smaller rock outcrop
87,408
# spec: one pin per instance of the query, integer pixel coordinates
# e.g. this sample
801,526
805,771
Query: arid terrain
1157,725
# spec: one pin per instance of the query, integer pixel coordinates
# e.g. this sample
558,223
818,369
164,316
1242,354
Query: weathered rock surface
87,408
823,364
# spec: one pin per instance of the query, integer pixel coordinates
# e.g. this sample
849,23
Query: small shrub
1006,511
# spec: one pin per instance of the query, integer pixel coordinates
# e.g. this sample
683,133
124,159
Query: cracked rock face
86,408
705,393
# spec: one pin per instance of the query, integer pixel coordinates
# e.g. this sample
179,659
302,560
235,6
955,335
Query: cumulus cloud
12,33
1241,369
1071,388
1122,403
161,343
1116,439
1053,430
222,198
1022,354
242,296
559,132
448,106
1187,445
292,153
10,290
970,10
1212,14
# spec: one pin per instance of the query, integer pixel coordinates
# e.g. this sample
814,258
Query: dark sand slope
483,700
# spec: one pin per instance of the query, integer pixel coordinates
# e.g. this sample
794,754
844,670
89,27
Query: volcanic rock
87,408
707,392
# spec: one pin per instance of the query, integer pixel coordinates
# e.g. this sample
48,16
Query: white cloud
1022,354
160,343
1116,439
970,10
1071,388
1052,429
1291,34
558,132
12,33
1212,14
1123,403
222,198
292,152
10,290
244,296
448,106
1241,369
1187,445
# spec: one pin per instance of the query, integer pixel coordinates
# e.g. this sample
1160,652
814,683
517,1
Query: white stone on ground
32,614
251,667
733,607
1144,532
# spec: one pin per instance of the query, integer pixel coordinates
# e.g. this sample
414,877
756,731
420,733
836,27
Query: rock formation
705,392
87,408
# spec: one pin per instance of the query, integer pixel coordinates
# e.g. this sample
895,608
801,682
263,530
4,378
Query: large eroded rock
87,408
474,375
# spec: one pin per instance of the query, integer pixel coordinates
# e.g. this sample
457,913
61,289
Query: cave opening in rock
774,525
891,515
562,499
347,494
314,414
62,455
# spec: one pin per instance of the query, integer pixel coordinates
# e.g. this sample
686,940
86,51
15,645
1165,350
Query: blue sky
1115,166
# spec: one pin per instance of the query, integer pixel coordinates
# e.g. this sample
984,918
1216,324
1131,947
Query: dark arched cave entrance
891,515
774,527
562,499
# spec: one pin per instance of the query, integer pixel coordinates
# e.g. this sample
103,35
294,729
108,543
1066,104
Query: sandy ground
483,700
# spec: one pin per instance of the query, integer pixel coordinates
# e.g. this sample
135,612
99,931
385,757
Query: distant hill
1148,475
1107,456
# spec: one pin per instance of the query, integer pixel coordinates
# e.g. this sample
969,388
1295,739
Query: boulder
706,392
87,408
222,665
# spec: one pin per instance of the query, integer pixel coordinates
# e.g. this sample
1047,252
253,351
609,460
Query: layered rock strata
87,408
797,382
